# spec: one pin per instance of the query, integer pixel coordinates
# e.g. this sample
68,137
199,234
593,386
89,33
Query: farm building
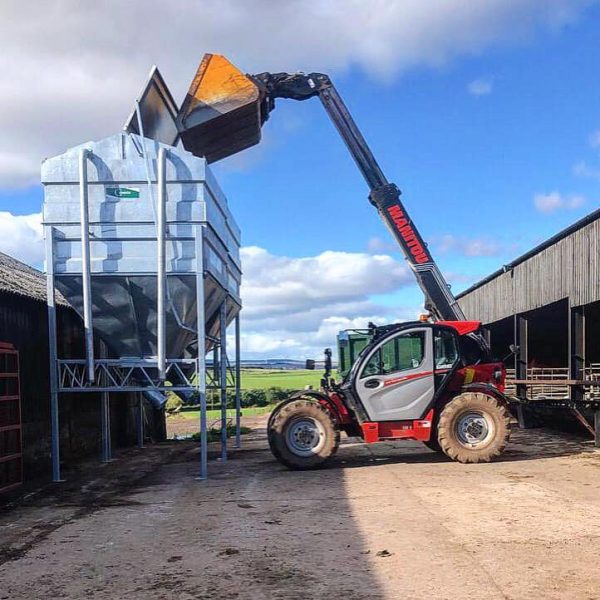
23,326
547,304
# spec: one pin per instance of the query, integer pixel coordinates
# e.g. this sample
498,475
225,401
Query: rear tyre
302,434
270,431
474,428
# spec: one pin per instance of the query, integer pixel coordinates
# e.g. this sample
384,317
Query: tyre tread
448,441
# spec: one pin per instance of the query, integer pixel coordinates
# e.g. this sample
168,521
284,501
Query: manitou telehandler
431,381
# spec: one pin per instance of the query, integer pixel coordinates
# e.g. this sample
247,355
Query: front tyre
303,434
474,427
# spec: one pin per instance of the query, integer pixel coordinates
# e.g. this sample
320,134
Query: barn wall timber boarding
566,266
23,322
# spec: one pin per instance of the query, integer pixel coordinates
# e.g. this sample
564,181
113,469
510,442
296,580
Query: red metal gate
11,441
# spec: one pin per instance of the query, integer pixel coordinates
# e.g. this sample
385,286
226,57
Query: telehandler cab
428,381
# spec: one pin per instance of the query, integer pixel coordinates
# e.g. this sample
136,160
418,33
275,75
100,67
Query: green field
254,411
262,379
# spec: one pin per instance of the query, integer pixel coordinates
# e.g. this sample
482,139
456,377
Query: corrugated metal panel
568,269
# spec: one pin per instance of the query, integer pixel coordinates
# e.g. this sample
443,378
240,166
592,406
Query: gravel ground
180,426
384,521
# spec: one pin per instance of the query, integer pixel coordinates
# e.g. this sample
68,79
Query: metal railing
554,383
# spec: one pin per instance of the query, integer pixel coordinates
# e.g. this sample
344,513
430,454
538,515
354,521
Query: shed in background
23,323
547,304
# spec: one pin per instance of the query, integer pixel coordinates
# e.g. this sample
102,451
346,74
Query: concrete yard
385,521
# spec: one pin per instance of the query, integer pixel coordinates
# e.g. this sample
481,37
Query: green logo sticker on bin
126,193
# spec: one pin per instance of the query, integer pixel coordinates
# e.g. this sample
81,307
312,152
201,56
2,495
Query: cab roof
461,327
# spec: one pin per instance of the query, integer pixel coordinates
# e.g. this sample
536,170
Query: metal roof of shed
593,216
566,266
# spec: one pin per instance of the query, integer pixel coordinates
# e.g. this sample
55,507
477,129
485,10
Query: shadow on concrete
253,530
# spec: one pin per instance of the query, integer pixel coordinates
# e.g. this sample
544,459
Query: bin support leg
238,383
140,421
223,377
105,418
53,355
201,366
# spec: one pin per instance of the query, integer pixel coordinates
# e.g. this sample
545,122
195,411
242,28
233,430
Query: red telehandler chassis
462,412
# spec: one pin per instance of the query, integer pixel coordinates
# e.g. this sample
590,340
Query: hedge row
248,398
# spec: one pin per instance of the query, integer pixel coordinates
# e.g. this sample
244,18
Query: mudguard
332,402
487,388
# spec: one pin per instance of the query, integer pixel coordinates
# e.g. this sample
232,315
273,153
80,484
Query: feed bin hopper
144,202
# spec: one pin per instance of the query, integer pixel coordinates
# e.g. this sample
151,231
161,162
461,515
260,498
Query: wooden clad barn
23,323
567,266
547,304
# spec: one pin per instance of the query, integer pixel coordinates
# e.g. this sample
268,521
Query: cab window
445,350
403,352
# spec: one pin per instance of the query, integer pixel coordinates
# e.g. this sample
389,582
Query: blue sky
469,166
493,142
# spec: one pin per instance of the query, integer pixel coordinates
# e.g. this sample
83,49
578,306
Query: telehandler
433,380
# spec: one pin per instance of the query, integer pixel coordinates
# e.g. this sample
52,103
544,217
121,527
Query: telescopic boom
384,196
224,111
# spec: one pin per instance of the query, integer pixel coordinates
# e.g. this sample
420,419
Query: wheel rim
305,437
474,429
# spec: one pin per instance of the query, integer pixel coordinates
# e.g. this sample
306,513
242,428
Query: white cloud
21,236
585,169
480,87
294,307
549,203
71,69
279,285
377,245
595,139
467,246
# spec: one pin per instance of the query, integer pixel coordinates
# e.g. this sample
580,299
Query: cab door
395,382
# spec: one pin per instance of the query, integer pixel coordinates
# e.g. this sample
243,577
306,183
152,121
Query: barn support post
223,376
597,427
53,355
521,359
576,351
